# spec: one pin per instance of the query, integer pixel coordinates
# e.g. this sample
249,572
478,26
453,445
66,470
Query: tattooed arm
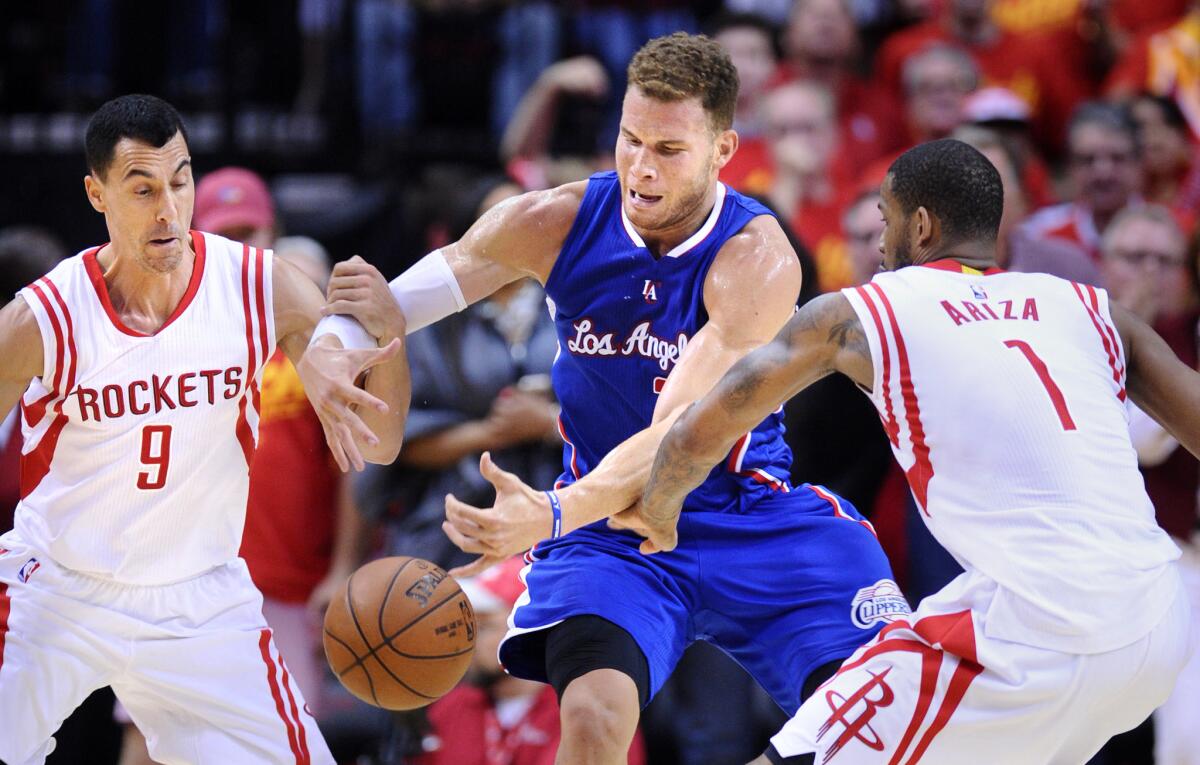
823,337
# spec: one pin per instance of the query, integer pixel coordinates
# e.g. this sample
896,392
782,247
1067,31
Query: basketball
401,633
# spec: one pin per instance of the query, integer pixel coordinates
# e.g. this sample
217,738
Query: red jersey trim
245,433
889,420
5,610
35,465
96,277
562,431
34,412
921,473
1094,315
838,512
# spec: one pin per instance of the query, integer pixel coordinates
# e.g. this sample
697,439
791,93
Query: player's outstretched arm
1158,382
743,314
360,425
21,351
823,337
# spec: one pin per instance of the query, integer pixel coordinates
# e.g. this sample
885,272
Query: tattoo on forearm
673,477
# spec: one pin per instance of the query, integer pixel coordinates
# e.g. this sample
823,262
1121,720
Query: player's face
667,160
894,241
146,198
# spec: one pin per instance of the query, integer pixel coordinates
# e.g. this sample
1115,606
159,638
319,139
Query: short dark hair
1169,107
140,117
681,66
954,182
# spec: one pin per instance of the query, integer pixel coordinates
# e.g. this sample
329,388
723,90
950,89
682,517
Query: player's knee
599,710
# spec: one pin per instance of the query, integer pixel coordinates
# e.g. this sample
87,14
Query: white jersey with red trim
137,447
1003,397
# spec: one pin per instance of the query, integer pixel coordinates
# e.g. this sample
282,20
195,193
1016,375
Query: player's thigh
52,656
796,584
648,597
222,696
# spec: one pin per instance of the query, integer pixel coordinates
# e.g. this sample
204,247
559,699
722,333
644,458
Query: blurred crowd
1090,110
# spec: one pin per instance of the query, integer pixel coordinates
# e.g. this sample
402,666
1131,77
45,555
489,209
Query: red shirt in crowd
291,515
467,731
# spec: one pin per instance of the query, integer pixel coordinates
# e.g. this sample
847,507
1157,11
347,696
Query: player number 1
156,455
1039,367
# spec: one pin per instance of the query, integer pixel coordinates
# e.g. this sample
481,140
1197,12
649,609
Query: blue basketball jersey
623,318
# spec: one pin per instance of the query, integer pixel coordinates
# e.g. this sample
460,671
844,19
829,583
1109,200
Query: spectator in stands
492,718
937,82
527,147
1166,63
1016,199
1170,159
1004,113
804,145
751,45
820,44
1104,175
1025,64
1142,247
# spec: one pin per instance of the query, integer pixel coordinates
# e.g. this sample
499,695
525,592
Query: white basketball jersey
1003,396
137,447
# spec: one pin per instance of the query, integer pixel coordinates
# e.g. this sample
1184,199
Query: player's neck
977,255
144,299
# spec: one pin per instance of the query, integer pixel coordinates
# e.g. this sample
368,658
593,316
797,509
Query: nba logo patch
881,602
978,292
27,570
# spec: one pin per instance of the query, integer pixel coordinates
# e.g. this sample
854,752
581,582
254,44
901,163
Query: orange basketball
401,633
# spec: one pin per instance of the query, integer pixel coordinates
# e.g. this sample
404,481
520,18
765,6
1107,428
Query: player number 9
156,455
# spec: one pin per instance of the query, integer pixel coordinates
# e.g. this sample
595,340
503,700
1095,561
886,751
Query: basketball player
1003,395
137,365
659,279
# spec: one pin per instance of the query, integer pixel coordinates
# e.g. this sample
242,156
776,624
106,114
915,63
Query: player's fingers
352,395
466,517
335,448
373,357
475,567
495,474
346,439
464,542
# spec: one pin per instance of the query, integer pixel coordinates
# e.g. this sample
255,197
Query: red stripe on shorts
264,645
5,608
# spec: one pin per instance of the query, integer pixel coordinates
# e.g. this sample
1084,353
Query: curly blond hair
681,66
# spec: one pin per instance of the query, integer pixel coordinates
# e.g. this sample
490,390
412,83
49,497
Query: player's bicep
22,356
518,237
297,302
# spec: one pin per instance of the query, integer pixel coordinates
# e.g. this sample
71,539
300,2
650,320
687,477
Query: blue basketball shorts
795,583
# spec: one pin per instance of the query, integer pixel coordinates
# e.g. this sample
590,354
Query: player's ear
95,192
923,225
726,145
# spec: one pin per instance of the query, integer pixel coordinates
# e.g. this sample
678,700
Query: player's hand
579,76
328,373
357,289
661,535
519,519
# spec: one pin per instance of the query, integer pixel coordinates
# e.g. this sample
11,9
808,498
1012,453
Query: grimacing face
667,159
146,197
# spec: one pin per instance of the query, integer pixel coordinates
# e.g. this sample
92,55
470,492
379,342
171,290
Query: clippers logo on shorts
881,602
27,570
863,706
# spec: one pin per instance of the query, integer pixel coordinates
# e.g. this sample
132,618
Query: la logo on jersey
650,291
881,602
